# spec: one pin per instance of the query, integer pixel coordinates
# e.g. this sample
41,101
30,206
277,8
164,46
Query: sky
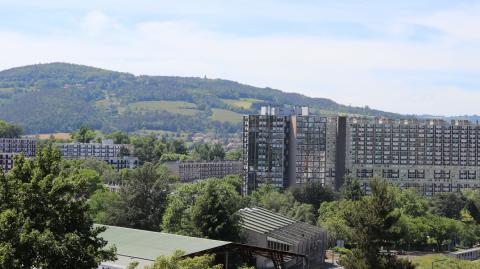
409,56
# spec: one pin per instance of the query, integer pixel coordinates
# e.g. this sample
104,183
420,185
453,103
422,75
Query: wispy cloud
398,63
96,23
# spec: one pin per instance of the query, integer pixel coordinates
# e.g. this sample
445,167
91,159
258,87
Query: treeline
48,207
163,120
8,130
61,97
151,198
151,149
156,149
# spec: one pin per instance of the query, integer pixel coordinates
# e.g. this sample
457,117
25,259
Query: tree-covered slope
59,97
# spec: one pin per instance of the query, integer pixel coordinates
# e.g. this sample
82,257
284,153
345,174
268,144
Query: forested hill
60,97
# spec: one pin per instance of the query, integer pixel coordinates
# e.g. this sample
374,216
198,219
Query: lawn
226,115
177,107
443,262
242,103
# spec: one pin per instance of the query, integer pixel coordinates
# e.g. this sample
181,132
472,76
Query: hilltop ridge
59,97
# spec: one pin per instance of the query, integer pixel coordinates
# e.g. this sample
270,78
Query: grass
102,103
177,107
61,136
226,115
425,262
7,90
242,103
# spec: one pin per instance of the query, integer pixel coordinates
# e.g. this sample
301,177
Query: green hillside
59,97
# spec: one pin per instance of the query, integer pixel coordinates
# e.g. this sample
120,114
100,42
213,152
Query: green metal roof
149,245
279,227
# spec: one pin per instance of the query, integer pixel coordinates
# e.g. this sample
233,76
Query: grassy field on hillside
243,103
61,136
443,262
178,107
226,115
7,90
102,103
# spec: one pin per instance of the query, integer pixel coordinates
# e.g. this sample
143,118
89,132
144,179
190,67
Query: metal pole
226,259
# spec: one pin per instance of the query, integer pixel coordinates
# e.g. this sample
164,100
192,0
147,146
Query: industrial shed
145,246
267,229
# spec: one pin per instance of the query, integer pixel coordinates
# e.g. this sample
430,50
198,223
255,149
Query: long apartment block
191,171
294,147
107,151
431,155
9,147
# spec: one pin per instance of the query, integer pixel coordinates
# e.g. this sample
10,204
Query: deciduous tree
44,221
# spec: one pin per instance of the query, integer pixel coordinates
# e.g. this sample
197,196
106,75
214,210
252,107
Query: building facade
116,155
190,171
283,148
9,147
293,148
264,228
430,155
106,149
308,147
265,139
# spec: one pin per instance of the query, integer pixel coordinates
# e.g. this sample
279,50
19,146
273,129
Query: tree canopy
372,220
84,134
44,219
8,130
205,209
143,199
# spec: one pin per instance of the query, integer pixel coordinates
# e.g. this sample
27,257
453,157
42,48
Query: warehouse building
267,229
145,246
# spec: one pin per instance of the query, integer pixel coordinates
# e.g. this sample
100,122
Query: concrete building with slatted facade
190,171
283,148
431,155
264,228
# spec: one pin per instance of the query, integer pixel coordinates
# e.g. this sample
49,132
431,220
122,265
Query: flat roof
147,245
466,250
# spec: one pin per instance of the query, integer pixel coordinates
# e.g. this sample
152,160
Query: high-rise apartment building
292,148
307,149
431,155
265,140
283,147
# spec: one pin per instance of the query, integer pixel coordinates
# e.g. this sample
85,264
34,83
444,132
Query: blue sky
402,56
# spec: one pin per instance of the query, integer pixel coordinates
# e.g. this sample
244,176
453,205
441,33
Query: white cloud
96,23
462,24
349,71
